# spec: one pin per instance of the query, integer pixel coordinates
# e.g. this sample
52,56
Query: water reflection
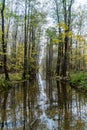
43,105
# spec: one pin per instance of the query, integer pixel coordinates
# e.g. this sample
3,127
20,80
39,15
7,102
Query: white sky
75,5
81,2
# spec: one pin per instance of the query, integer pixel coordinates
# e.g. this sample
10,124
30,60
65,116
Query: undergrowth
79,79
5,84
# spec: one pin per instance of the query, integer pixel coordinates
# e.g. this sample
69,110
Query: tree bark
25,43
67,20
4,46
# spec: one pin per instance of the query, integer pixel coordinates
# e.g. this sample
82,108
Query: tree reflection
23,108
64,105
49,84
24,104
3,109
32,92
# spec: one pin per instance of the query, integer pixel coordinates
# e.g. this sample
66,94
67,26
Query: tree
60,45
25,42
4,45
51,34
67,21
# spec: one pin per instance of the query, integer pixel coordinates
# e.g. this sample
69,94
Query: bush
4,84
79,79
75,77
15,76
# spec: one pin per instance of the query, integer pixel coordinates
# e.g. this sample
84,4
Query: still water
43,105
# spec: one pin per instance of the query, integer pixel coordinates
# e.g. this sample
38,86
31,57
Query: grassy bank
79,80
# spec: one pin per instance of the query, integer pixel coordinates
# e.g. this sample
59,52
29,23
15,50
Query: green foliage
78,76
15,60
51,32
32,64
36,18
79,79
16,76
4,84
62,25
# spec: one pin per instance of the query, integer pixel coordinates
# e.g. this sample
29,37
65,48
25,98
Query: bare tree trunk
25,43
67,20
47,60
64,63
4,46
59,53
50,58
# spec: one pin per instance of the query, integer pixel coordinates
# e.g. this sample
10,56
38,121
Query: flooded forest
43,65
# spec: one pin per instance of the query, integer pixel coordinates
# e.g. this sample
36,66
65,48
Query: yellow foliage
63,26
56,41
79,38
1,64
20,55
1,53
17,62
32,60
70,34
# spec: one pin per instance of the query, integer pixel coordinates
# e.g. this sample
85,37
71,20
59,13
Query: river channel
43,105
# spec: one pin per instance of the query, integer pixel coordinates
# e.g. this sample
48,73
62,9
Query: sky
81,2
76,4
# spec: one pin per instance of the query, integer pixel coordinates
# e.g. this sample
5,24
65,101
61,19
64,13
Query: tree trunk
64,66
47,60
50,58
67,20
25,43
59,53
4,46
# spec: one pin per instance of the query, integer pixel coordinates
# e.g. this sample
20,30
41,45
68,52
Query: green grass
79,79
